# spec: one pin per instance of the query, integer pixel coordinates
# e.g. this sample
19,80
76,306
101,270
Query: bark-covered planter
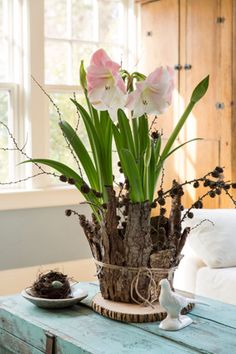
132,256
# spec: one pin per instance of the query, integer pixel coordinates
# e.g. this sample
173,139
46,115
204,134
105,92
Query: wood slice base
124,312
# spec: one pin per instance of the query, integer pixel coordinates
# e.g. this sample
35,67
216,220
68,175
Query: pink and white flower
106,89
154,94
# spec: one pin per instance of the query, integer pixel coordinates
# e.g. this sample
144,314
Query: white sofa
208,267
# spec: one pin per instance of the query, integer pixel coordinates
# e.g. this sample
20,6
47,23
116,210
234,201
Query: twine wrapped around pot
133,279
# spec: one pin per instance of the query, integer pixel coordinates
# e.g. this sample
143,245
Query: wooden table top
80,330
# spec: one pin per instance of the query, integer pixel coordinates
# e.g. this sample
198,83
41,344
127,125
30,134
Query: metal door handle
187,66
178,67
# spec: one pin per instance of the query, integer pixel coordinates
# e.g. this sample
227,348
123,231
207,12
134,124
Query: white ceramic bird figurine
173,303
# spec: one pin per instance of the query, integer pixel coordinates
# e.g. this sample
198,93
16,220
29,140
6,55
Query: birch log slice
135,313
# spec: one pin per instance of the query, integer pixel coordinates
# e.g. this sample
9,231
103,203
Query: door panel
160,47
187,32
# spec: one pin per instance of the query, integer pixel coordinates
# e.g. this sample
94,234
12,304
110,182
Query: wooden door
160,47
202,54
198,35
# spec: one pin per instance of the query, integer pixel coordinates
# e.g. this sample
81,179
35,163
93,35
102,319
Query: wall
39,236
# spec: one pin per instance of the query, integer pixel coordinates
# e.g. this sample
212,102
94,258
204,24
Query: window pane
117,54
81,52
4,41
83,20
4,155
57,62
111,21
58,148
55,18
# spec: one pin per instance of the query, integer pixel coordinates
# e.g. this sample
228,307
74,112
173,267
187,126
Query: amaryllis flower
106,89
154,94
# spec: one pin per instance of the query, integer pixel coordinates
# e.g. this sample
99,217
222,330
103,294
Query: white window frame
31,112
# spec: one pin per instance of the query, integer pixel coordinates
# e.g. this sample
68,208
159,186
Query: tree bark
138,244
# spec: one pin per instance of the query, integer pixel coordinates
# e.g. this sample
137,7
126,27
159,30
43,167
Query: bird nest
51,285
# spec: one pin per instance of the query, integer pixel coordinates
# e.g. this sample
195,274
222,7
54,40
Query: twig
23,179
23,152
230,196
153,122
60,120
201,222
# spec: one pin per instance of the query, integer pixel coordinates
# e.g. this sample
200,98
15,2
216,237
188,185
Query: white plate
76,296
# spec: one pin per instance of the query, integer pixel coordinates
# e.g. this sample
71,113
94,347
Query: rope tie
149,272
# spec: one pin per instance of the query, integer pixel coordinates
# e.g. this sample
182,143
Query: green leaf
83,81
69,173
161,162
125,131
143,133
131,171
94,141
151,173
106,146
200,90
197,94
176,131
81,153
138,76
136,137
181,145
146,170
157,149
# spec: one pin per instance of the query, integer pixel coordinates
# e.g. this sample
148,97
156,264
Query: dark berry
98,194
155,135
213,184
218,191
227,186
234,185
196,184
118,164
162,211
215,174
206,183
219,169
161,201
71,181
175,191
212,194
190,215
104,205
198,204
160,193
68,212
153,205
63,178
180,192
85,188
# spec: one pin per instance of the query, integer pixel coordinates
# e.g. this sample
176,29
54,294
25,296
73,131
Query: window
74,38
47,39
9,75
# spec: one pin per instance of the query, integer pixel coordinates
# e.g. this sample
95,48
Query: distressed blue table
26,329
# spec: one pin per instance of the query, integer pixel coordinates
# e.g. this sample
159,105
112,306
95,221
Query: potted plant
132,249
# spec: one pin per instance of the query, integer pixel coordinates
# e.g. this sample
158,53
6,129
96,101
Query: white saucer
76,296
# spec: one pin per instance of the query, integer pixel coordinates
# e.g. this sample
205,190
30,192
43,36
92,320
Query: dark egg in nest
51,285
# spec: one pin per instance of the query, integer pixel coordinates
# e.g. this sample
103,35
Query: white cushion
214,244
186,274
218,284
